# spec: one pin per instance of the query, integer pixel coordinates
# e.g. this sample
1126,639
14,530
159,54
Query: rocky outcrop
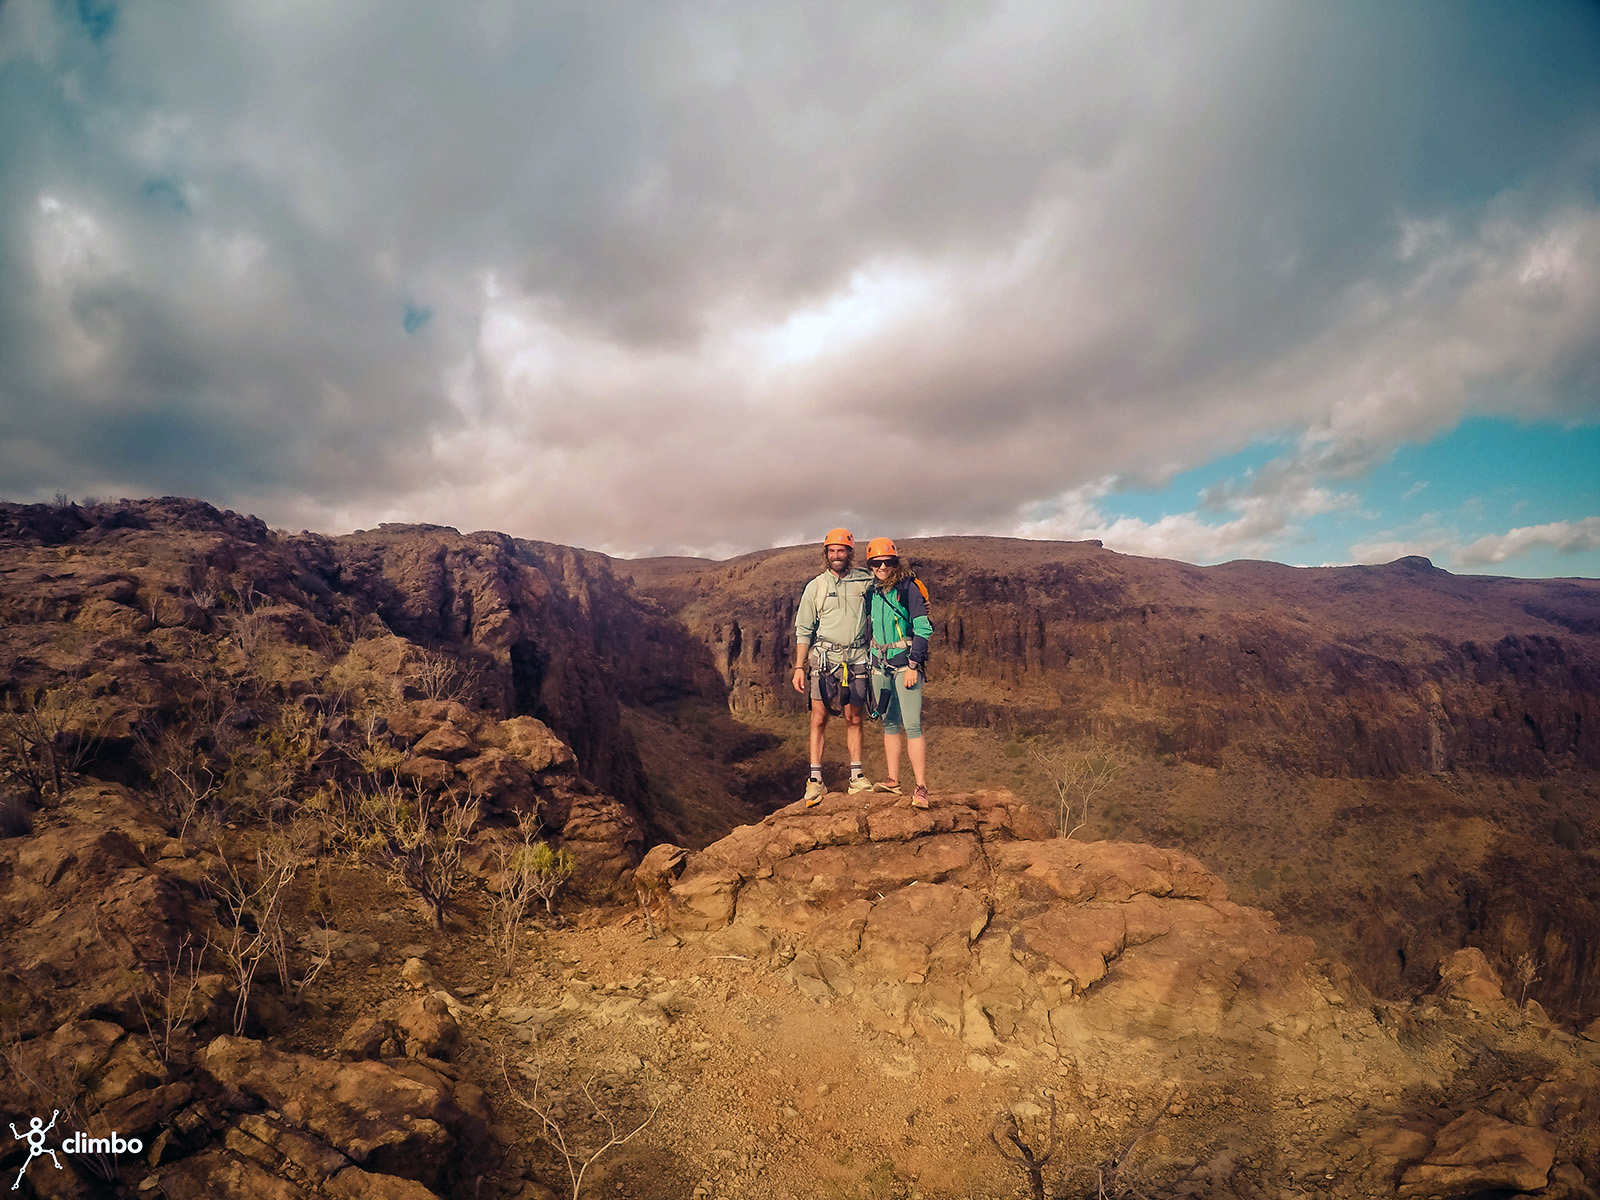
1366,671
969,921
420,640
564,641
1478,1153
968,924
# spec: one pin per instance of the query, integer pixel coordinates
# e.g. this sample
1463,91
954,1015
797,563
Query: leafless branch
577,1165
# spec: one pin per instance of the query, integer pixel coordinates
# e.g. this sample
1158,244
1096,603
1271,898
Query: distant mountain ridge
1375,671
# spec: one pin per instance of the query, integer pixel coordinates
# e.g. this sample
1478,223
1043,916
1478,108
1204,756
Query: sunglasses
883,564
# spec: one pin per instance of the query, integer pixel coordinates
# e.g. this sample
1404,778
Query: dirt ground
750,1088
766,1092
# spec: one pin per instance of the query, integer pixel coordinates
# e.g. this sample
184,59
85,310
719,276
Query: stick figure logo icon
35,1139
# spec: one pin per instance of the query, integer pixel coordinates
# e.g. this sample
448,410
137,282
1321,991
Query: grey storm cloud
665,276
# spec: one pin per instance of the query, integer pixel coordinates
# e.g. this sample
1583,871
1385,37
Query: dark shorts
855,689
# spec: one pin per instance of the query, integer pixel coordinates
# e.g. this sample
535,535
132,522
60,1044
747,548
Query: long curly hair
901,573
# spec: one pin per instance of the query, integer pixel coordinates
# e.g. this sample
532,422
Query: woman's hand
911,676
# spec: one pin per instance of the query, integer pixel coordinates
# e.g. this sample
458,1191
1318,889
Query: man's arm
805,628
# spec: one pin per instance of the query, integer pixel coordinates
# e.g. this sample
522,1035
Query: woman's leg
909,700
891,729
917,752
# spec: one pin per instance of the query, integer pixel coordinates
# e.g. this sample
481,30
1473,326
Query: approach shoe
919,798
892,786
860,784
814,792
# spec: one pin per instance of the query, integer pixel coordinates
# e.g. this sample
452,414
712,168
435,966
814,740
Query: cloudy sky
1311,282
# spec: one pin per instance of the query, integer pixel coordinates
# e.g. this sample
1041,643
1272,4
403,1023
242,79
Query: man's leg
853,714
819,726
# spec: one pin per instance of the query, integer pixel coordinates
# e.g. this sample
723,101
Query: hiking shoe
814,792
892,786
919,798
860,784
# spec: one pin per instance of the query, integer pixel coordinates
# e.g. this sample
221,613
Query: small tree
1080,778
419,839
548,871
48,735
608,1131
509,904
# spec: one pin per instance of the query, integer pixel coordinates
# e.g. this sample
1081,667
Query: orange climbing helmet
881,547
839,537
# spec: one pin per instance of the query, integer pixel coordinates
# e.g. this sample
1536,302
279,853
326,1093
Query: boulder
446,742
378,1117
428,1028
532,743
1467,975
1479,1153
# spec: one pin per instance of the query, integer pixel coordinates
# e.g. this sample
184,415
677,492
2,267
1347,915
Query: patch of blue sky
167,193
1492,475
1183,491
1482,479
416,317
99,17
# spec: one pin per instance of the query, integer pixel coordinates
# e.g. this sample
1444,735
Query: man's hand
799,680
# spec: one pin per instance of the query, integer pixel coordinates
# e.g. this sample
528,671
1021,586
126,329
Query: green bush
1568,834
1261,878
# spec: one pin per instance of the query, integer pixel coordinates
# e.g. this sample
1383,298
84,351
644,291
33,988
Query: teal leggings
905,705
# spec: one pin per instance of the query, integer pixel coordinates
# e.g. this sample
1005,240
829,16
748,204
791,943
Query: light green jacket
834,609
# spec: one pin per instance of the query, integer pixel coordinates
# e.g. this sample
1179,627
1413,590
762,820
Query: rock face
1366,671
1479,1153
509,661
969,921
566,641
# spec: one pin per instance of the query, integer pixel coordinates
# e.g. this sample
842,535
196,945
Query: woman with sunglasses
900,633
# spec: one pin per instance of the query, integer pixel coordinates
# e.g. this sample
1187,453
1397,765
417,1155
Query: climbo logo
76,1143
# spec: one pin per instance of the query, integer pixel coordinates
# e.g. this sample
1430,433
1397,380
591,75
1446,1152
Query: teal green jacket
900,614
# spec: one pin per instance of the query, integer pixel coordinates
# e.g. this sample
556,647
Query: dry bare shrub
170,1009
47,735
604,1122
441,676
1080,776
254,904
508,904
183,785
1110,1179
416,837
1527,972
247,625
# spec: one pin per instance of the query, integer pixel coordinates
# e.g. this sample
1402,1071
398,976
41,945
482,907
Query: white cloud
1564,537
723,277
